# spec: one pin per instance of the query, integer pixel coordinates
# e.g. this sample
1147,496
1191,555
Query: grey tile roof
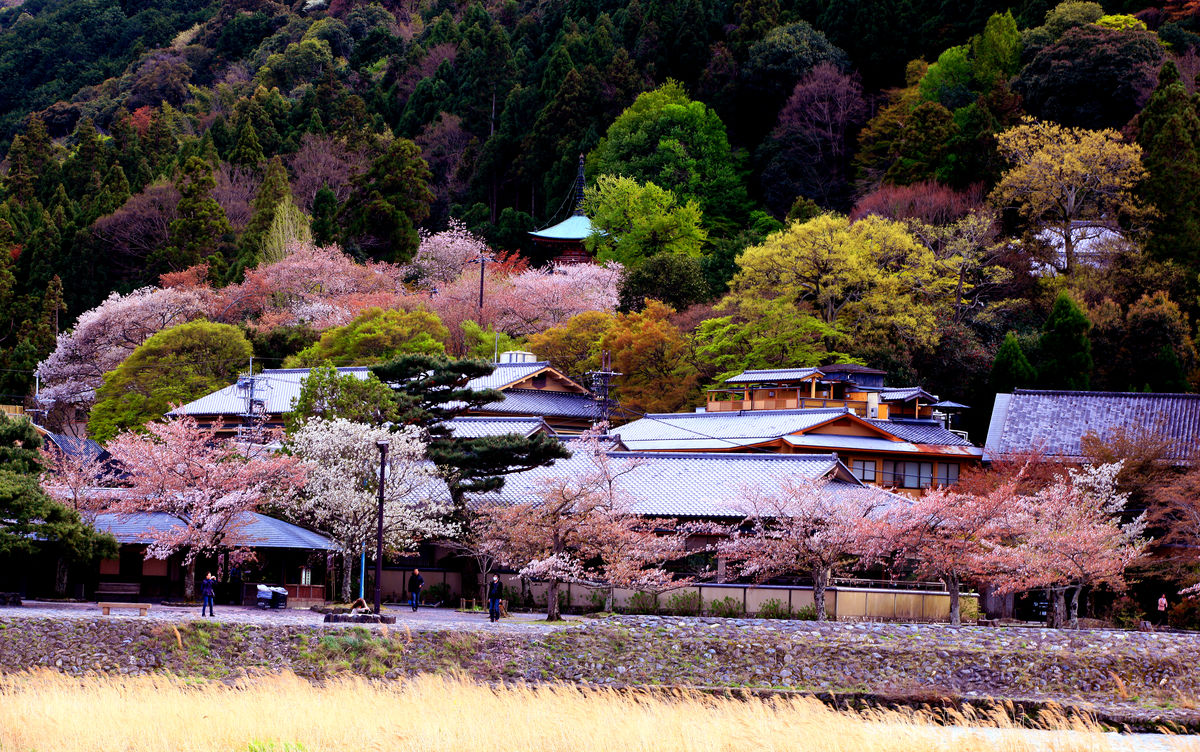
77,447
259,530
719,431
547,403
279,388
478,427
1056,421
687,485
905,393
772,375
921,432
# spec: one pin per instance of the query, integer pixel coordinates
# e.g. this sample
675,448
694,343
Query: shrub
1126,613
1185,614
516,599
642,603
686,603
805,613
597,600
727,607
968,610
774,609
438,593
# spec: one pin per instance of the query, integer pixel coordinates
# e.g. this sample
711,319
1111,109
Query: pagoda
564,241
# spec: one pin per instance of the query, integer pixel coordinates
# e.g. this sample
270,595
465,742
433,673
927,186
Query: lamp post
383,448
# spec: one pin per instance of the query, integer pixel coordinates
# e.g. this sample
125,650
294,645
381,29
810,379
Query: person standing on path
415,583
495,589
1162,610
207,592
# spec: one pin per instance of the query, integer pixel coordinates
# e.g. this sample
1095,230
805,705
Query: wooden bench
118,588
141,607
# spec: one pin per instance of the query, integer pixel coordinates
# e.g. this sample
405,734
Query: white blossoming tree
342,495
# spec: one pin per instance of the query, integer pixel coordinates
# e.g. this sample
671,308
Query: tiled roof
921,432
258,530
905,393
478,427
687,485
718,431
772,375
851,368
1056,421
575,227
547,403
279,388
74,446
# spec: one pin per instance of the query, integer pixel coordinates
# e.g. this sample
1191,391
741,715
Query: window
947,474
907,474
864,470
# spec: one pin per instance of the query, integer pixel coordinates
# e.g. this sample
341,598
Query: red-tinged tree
538,299
324,162
210,485
78,480
1065,537
804,526
947,534
134,232
928,201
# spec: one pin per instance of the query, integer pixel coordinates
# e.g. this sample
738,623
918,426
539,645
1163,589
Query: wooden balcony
725,400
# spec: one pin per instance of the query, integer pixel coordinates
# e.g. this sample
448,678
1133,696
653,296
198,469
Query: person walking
208,590
495,589
1162,610
415,583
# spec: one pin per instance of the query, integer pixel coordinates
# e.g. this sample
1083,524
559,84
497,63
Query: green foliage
727,607
673,279
686,603
773,608
633,221
330,395
272,195
1011,369
996,53
29,519
949,80
375,336
807,612
669,140
484,344
387,203
1065,350
1169,134
173,367
642,603
324,213
201,223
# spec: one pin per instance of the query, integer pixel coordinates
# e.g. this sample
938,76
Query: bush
515,598
642,603
727,607
686,603
806,613
968,610
1185,614
774,609
439,593
597,600
1126,613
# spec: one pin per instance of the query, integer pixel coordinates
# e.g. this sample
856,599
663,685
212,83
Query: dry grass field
47,711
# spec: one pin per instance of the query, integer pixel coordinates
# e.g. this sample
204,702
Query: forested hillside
970,195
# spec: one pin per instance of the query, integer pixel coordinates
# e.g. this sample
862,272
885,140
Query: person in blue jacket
495,590
208,588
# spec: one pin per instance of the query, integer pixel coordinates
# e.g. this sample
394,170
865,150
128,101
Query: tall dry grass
47,711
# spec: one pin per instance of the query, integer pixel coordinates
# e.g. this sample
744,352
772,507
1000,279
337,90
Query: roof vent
517,356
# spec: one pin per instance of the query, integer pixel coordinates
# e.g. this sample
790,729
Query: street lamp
382,445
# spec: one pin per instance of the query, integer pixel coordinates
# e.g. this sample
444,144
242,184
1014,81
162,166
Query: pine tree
1066,351
1011,369
273,192
1169,134
324,213
201,221
246,149
387,203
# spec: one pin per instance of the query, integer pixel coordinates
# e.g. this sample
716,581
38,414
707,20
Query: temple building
563,243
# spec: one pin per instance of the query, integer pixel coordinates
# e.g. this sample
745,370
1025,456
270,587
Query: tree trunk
820,577
952,586
347,568
552,601
608,600
1056,609
1068,248
1075,607
189,581
60,578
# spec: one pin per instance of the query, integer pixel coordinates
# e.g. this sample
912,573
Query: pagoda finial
579,182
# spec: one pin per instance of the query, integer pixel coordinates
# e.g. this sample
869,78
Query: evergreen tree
246,148
30,520
1065,350
1011,369
324,215
273,193
387,203
201,221
431,390
1169,133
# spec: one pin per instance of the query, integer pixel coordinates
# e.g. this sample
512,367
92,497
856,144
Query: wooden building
562,243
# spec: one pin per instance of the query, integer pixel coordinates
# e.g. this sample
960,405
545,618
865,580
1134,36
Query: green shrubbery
686,603
727,607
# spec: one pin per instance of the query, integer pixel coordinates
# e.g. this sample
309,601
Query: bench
10,599
118,588
141,607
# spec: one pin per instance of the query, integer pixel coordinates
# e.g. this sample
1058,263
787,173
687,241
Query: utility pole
382,445
601,385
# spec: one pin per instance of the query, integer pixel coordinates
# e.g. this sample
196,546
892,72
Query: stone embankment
1126,677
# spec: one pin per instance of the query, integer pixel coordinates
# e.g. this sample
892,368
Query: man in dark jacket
415,583
495,590
208,588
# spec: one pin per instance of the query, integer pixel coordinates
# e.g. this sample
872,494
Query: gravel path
426,619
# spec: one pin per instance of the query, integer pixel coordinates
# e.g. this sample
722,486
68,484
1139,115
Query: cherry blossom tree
443,257
803,526
81,480
209,484
1069,535
341,497
106,334
538,299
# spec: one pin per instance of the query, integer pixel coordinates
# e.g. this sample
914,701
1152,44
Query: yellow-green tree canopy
1066,179
632,221
869,279
174,366
376,336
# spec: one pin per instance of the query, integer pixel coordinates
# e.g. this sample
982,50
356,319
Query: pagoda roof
576,227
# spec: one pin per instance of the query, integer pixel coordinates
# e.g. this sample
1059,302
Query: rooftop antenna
255,406
601,385
579,183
